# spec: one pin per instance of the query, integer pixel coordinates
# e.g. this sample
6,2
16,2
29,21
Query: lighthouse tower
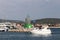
28,22
27,19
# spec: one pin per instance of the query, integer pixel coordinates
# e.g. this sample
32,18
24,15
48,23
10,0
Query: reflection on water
46,35
28,36
20,36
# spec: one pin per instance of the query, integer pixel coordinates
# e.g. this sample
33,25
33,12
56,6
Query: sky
36,9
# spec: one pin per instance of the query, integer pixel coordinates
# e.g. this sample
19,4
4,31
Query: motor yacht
42,31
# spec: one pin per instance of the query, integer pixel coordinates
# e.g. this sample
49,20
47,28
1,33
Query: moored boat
43,31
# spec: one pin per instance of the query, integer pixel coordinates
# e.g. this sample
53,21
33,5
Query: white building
7,24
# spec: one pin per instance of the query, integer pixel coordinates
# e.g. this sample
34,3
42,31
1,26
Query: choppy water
28,36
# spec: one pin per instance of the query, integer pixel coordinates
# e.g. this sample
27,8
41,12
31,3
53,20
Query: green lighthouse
28,22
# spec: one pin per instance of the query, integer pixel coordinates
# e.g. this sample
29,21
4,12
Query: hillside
40,21
16,21
47,21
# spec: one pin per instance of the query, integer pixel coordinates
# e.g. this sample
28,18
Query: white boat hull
4,29
41,31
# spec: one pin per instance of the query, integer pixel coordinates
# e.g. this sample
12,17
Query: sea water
55,35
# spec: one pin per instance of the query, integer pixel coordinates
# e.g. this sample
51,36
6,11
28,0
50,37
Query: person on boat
40,27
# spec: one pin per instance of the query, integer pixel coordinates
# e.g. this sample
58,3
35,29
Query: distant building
18,25
7,24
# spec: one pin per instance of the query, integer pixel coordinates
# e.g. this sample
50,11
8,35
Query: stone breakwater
19,30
